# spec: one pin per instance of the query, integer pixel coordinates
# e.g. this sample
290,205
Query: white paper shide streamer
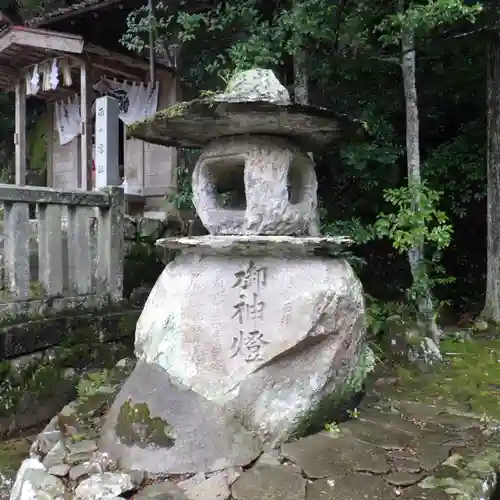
68,119
136,101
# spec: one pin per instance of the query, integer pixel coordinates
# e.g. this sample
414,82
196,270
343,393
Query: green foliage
182,198
409,226
37,146
380,313
142,265
459,164
93,383
423,18
236,35
412,226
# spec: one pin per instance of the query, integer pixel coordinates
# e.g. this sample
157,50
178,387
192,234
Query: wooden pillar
50,145
20,133
85,172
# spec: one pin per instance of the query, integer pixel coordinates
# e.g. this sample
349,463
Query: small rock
406,465
125,363
480,325
254,85
55,456
34,482
46,440
192,481
403,478
104,486
59,470
103,463
78,471
137,476
81,450
427,352
213,488
160,491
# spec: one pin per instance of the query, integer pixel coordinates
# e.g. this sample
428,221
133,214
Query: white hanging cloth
45,71
68,119
54,75
35,81
136,101
74,114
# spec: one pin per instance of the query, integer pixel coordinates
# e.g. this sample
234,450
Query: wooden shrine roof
69,11
21,48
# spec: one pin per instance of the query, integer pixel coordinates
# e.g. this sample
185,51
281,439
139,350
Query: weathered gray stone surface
102,486
38,194
160,491
268,338
192,481
276,185
159,426
213,488
277,482
256,246
254,85
254,102
35,483
197,123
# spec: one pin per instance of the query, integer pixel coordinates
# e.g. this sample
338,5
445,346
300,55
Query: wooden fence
74,241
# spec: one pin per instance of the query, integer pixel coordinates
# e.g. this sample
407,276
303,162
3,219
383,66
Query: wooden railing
69,253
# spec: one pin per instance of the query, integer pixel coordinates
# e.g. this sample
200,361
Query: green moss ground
12,453
468,380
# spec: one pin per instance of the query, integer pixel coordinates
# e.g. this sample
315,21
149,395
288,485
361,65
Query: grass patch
468,380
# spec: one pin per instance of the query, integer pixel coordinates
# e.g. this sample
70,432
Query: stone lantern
259,325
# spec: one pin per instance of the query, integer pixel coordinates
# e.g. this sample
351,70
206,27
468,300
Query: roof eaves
65,12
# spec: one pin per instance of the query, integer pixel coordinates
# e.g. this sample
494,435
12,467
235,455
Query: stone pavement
391,450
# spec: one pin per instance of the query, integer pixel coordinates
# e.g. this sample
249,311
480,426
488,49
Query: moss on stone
136,426
70,312
471,477
96,392
56,372
177,109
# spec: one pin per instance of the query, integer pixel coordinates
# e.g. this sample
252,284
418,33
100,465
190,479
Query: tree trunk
300,77
426,316
491,311
301,96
